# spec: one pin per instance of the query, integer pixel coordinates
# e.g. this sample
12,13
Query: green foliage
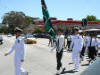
16,19
28,20
38,30
92,18
98,20
3,29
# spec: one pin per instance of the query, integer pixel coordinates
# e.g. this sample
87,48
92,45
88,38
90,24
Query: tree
14,19
3,29
91,18
29,20
98,20
38,30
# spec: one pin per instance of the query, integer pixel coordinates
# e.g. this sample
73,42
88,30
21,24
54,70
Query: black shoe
57,74
76,70
90,61
63,70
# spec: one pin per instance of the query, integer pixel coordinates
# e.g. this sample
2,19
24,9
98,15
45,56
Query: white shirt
84,40
1,38
61,42
18,46
93,42
77,43
69,38
98,42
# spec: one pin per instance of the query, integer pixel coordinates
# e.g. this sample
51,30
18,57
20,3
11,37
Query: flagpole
47,21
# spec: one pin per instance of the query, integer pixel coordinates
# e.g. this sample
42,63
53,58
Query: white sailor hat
18,30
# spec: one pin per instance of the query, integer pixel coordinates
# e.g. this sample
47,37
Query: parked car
9,35
98,36
30,39
41,35
23,36
1,40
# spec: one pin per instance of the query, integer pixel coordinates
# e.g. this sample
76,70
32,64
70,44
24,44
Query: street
38,60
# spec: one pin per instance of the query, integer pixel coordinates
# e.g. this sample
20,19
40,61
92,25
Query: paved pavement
39,60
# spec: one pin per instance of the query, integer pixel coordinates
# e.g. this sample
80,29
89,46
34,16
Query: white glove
69,49
52,50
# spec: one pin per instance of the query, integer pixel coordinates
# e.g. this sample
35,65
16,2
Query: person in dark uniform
92,44
1,40
50,41
69,39
59,51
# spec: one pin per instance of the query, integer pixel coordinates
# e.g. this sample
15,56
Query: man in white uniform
76,46
19,53
84,46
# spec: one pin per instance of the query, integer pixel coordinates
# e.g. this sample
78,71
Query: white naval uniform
76,46
98,43
84,41
19,54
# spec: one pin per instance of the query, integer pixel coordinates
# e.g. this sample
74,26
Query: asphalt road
38,61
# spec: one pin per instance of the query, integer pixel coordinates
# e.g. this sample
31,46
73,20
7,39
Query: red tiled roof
78,22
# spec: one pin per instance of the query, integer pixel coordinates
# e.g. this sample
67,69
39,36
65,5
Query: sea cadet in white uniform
84,45
76,46
18,47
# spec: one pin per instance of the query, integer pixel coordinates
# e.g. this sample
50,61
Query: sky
62,9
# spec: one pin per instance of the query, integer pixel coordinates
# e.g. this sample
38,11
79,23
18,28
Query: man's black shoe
63,70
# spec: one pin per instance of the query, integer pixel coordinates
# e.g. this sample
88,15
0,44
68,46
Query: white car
9,35
98,36
98,41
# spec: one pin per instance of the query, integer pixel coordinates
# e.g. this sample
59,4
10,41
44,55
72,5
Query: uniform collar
19,37
77,35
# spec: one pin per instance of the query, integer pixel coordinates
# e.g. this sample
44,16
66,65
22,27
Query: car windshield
30,36
98,36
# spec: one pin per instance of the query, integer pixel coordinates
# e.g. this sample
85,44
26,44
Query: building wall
68,27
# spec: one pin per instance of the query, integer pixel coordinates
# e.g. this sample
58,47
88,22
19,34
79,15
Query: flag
47,21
